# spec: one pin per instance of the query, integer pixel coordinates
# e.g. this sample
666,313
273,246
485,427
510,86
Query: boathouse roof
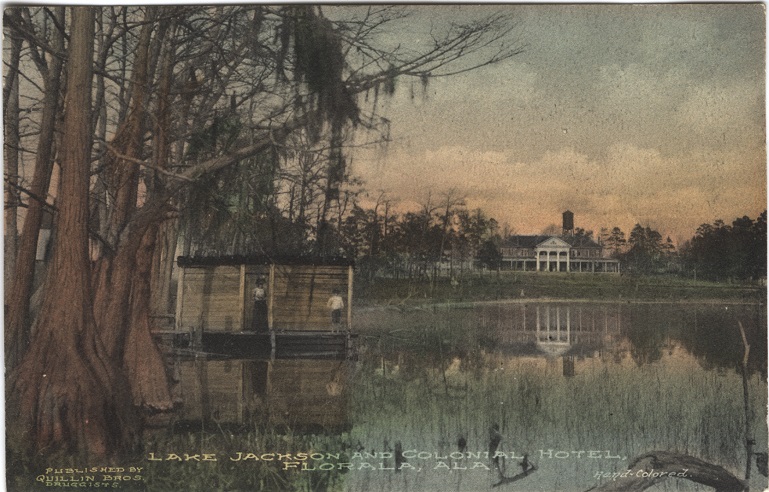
225,260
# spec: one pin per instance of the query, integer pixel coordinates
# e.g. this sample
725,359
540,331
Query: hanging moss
218,136
389,83
319,64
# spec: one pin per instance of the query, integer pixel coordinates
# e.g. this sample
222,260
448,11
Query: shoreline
550,300
546,289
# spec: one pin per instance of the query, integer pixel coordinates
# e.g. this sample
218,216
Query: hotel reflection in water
546,334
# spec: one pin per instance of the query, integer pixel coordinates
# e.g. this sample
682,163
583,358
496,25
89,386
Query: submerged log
654,467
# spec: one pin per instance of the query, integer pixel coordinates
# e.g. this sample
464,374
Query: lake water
464,397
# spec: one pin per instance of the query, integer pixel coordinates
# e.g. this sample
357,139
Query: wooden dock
275,344
283,344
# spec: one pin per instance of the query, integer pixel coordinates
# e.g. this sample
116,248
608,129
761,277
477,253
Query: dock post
273,344
197,336
242,298
348,346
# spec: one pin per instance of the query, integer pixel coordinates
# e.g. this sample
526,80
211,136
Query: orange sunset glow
623,114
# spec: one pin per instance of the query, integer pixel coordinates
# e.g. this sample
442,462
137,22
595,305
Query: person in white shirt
336,303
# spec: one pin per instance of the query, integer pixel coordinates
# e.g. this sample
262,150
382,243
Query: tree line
442,237
717,251
720,251
453,240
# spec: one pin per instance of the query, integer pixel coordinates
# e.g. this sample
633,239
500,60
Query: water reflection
556,381
296,394
565,376
644,330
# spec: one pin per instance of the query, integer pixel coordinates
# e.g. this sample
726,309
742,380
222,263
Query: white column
524,317
568,260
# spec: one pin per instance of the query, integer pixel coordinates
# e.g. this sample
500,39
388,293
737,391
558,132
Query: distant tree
616,242
489,254
758,239
646,251
603,236
669,247
508,230
719,251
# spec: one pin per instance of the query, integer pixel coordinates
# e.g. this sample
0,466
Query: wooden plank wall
211,299
218,298
301,293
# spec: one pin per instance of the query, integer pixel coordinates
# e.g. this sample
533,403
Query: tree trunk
114,269
99,214
17,314
162,267
142,359
124,315
124,175
168,231
12,144
66,394
116,276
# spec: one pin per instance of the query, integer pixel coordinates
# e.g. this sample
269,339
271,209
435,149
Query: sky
623,114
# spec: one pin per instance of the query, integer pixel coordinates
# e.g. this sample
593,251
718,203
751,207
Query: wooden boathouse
215,306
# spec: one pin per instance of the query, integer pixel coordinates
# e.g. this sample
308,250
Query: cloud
721,110
622,114
630,185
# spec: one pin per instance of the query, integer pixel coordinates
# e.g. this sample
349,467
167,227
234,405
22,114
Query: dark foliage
728,252
489,254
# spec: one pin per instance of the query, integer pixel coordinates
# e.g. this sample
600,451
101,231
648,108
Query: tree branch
32,195
140,162
659,465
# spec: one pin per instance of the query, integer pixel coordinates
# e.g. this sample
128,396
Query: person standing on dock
336,303
259,294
